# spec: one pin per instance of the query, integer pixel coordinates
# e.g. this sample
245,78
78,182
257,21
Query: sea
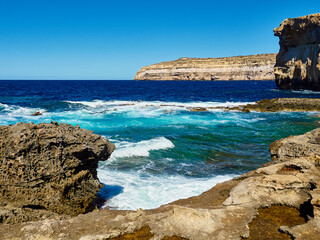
165,152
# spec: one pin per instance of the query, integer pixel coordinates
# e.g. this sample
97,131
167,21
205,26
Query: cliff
254,67
280,200
298,61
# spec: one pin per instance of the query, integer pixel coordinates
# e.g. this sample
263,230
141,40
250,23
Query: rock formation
255,67
270,105
280,200
298,61
281,104
48,168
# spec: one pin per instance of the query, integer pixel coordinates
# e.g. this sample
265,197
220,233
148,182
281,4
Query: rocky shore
254,67
280,199
49,182
279,104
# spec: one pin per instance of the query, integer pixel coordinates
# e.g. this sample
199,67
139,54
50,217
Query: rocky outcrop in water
280,200
281,104
271,105
298,61
254,67
47,169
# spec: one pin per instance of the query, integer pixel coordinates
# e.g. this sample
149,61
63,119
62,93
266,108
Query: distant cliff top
185,62
255,67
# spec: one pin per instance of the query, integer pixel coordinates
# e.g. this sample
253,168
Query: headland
254,67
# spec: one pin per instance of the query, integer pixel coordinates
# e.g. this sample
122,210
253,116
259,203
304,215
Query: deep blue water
164,151
25,92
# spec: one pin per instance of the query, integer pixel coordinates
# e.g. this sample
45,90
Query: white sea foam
3,106
150,108
14,112
140,149
147,192
297,91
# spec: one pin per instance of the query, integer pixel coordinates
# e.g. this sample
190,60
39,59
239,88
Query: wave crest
140,149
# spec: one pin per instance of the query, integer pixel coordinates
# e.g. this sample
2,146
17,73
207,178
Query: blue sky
96,39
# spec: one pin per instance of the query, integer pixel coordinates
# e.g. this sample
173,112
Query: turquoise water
164,151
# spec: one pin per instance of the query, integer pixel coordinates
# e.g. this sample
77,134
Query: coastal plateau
254,67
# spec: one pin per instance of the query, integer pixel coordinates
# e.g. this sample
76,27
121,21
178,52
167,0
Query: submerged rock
36,114
198,109
50,167
298,61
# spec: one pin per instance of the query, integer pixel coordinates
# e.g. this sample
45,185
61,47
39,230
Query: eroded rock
50,167
298,61
278,104
297,146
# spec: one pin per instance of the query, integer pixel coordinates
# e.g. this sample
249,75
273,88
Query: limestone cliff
298,62
254,67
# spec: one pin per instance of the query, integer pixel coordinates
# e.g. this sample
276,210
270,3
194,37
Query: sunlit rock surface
254,67
48,168
298,61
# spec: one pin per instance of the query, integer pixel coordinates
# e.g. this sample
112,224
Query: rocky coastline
280,199
253,67
49,181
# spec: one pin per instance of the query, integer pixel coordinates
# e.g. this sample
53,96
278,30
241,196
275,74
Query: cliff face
255,67
48,167
298,62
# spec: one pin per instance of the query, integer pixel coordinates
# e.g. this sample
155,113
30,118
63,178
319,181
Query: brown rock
280,104
245,110
307,145
298,61
36,114
198,109
50,167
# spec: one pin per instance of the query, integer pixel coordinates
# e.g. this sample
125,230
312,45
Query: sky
112,40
